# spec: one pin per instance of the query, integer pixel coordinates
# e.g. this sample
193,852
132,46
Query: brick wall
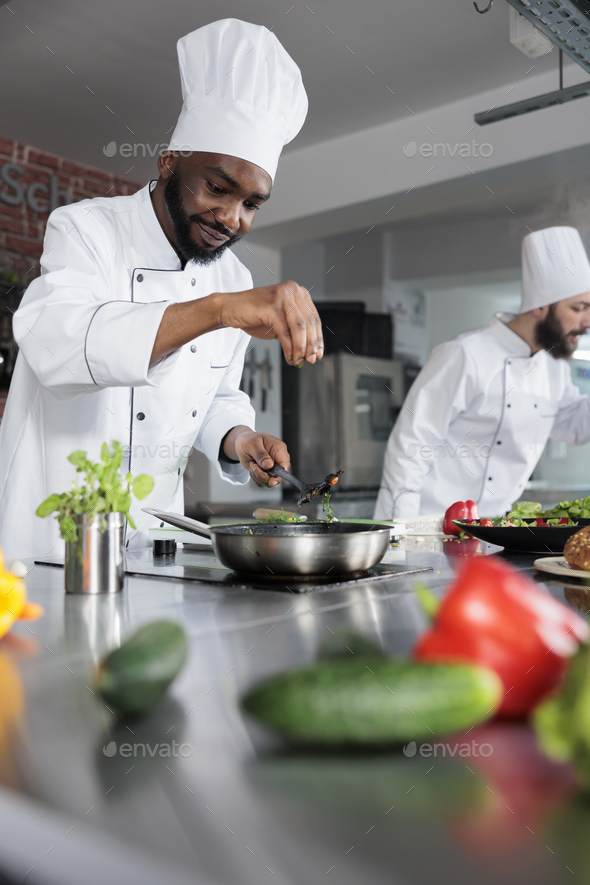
43,179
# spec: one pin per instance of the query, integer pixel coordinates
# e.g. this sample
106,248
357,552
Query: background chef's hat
242,93
555,266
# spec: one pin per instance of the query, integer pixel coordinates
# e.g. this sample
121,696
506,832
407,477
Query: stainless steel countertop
230,807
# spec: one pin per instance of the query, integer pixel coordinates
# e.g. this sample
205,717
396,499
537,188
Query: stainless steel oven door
370,395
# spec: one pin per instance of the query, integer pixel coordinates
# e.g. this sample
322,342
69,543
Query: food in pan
577,550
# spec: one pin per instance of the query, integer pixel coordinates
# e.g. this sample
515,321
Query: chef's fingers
258,476
279,453
315,336
256,450
278,450
295,314
314,318
283,333
303,315
298,333
278,321
266,450
261,477
307,313
296,327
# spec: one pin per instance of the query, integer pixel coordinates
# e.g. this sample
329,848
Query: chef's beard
181,222
551,337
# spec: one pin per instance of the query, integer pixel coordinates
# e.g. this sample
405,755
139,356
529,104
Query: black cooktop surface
199,564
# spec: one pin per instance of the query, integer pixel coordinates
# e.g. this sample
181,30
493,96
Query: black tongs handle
307,491
279,471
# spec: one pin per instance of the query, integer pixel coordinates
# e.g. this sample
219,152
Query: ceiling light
566,24
526,37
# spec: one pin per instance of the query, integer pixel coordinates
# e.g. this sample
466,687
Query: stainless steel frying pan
290,549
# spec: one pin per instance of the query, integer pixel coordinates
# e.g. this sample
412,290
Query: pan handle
181,522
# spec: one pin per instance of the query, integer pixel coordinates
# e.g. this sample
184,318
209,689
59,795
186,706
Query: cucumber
374,703
133,677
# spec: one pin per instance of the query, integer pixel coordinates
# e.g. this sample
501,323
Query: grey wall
438,248
306,264
355,266
451,311
343,268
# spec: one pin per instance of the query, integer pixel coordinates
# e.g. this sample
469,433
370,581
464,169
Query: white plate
557,565
179,535
423,525
426,535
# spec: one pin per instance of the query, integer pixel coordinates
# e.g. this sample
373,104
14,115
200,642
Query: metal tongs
307,491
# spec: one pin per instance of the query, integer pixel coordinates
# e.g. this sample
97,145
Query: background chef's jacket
475,423
86,329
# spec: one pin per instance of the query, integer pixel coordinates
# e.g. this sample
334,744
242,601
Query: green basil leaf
68,529
100,491
79,460
49,505
142,485
113,500
123,503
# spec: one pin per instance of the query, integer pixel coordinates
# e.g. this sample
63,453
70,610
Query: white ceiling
123,70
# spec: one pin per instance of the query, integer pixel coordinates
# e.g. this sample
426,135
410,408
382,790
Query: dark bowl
527,538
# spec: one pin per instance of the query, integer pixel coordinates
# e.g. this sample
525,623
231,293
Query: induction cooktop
200,564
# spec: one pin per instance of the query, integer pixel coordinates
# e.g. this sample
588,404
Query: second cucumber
374,703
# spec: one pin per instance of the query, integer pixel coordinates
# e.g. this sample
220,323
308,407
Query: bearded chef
477,418
137,328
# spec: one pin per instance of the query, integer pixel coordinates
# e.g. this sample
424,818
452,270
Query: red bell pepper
495,616
459,510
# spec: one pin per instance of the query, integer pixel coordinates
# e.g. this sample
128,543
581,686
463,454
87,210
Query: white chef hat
242,93
555,266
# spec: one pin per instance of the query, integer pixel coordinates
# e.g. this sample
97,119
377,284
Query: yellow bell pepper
13,600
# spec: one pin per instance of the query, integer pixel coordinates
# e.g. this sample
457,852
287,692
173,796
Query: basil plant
101,491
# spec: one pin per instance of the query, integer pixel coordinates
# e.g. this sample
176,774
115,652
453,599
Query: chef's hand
256,451
284,311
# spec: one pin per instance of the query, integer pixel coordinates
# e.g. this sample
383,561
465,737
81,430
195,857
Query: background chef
479,414
137,328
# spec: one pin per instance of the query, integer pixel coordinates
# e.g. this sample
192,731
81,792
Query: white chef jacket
86,329
475,423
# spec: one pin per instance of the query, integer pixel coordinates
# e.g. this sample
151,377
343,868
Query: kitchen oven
338,414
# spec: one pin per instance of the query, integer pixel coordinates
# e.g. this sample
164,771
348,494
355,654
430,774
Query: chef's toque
555,266
242,93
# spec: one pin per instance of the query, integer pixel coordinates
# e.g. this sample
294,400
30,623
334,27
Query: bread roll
577,550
